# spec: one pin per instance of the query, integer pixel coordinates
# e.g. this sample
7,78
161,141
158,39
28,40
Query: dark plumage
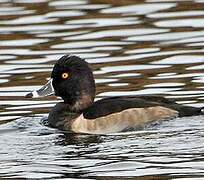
116,104
72,79
79,83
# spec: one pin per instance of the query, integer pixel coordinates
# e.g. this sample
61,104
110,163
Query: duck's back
117,104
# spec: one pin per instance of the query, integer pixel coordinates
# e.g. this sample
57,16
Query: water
134,47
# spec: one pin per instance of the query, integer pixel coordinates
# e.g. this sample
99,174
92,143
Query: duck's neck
83,102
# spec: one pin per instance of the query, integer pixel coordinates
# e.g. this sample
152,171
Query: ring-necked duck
73,81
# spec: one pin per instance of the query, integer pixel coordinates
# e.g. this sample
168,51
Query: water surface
134,47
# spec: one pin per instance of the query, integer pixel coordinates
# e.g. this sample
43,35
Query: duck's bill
46,90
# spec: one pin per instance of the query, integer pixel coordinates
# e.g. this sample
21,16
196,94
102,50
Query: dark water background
134,47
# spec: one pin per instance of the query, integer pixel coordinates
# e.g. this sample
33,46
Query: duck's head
72,80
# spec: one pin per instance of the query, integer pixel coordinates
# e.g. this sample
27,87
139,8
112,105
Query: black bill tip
29,95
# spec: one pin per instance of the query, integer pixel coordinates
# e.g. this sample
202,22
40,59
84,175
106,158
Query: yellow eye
65,75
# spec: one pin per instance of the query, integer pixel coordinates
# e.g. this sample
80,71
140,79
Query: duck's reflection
78,139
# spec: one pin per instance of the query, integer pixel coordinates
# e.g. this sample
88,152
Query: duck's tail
202,110
188,110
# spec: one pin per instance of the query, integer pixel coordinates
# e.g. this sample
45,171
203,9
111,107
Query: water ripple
134,48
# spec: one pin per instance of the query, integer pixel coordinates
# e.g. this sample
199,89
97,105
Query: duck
72,79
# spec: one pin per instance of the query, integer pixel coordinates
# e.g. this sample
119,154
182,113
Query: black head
72,80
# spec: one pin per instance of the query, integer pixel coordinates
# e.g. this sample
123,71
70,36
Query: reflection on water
144,47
